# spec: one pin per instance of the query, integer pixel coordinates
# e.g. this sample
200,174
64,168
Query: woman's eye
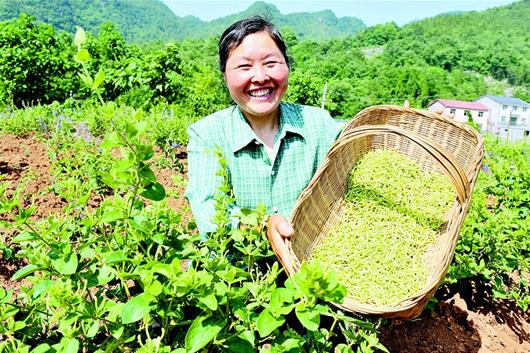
271,63
243,66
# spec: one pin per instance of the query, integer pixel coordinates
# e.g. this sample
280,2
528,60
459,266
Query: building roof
505,100
449,103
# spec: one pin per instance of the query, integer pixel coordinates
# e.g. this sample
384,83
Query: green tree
35,63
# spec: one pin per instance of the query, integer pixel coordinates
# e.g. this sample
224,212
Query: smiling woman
256,76
272,148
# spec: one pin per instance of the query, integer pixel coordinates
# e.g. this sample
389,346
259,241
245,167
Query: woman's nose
259,73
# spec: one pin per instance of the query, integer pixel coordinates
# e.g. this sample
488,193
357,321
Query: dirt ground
465,319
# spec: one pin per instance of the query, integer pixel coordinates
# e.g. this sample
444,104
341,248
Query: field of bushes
118,267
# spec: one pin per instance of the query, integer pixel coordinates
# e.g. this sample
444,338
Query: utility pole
324,94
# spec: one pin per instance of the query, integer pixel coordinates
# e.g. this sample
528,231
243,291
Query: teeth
260,92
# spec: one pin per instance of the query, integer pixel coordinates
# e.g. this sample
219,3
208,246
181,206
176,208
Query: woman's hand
278,228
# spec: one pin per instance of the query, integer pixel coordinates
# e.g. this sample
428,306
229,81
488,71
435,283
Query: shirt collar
291,121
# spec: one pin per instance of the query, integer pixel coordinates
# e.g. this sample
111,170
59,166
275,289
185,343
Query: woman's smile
264,93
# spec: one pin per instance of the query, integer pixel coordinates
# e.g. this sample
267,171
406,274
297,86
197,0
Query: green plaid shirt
304,137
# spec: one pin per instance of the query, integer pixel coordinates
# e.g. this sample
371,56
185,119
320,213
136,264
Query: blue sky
371,12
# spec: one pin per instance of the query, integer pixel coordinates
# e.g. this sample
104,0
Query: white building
459,111
510,117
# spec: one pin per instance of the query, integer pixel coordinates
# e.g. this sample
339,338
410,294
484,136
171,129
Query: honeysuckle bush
495,238
129,275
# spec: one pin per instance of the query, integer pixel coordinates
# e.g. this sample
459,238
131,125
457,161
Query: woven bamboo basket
435,143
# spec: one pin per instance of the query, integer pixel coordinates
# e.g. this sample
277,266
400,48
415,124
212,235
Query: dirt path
465,321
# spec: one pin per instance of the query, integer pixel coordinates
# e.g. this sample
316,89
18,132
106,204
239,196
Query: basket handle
445,159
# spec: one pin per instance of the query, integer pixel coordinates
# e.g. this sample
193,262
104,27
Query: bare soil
464,321
466,318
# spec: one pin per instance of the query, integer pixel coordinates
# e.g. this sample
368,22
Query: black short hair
234,35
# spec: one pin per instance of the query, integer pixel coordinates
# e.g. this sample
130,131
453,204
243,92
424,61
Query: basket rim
418,112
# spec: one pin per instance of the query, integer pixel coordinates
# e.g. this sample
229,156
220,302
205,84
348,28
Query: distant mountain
143,21
306,25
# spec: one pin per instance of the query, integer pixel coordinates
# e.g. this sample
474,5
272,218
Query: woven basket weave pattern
436,143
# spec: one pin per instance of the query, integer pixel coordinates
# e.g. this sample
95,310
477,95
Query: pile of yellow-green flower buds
393,212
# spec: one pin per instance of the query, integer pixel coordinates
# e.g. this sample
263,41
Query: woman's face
256,76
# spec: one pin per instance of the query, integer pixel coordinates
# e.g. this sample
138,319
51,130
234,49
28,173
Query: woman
272,148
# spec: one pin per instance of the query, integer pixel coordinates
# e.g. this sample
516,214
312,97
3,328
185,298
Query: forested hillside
494,42
460,56
141,21
137,20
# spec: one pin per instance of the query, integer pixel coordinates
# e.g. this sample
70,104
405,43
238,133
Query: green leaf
210,301
98,80
114,256
141,126
145,152
136,308
281,301
67,345
111,140
248,336
292,345
41,348
114,310
24,214
82,56
309,318
22,237
41,288
80,37
93,329
267,323
163,269
66,265
104,275
131,131
342,348
154,191
25,271
139,115
116,330
72,346
201,332
141,223
147,174
18,325
249,217
112,216
5,296
154,288
220,289
86,252
87,80
239,345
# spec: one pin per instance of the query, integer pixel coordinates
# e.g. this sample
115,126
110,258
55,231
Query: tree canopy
454,56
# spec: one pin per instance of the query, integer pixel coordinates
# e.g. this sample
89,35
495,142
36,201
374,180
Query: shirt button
256,142
275,209
273,172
